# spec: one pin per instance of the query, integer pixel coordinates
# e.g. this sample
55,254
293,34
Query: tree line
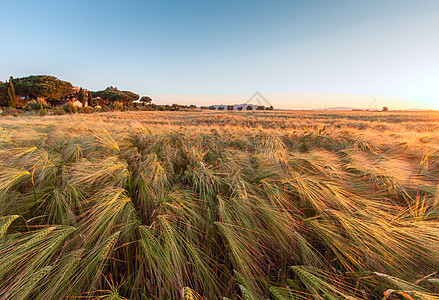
55,91
42,92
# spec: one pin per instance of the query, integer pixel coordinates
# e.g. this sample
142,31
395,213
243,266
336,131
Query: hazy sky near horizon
299,54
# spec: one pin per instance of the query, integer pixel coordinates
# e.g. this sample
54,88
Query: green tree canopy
45,86
81,97
90,99
11,100
3,92
113,94
145,99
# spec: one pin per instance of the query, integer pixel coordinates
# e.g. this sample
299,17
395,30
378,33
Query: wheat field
220,205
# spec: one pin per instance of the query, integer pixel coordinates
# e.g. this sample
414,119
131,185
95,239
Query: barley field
220,205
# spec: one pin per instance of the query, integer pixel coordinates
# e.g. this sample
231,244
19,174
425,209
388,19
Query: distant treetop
45,86
113,94
145,99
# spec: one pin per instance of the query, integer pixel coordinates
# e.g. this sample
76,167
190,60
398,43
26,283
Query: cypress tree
11,99
90,99
81,96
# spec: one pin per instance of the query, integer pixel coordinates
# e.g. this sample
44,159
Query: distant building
73,98
235,107
76,89
78,103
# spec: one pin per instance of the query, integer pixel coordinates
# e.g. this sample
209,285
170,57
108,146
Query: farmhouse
74,98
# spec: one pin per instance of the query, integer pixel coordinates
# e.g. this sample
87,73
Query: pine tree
81,96
11,99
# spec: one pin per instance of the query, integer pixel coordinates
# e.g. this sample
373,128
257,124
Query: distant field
265,119
205,205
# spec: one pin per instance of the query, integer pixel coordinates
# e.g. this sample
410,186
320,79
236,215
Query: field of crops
220,205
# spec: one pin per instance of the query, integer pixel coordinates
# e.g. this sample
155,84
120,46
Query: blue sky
299,54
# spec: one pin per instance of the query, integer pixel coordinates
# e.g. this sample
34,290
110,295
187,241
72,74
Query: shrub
70,108
12,112
36,105
58,111
42,112
116,105
105,108
88,110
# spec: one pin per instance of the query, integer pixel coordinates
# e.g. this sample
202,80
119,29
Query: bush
116,105
88,110
36,105
12,112
42,112
105,108
58,111
143,108
70,108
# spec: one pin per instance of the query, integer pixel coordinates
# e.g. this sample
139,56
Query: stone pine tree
81,97
147,100
11,99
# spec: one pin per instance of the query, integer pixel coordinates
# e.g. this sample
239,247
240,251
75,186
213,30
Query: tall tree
90,99
11,99
81,97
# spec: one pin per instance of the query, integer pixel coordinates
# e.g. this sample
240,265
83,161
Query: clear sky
299,54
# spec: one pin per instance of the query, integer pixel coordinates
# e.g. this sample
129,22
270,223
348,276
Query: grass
210,205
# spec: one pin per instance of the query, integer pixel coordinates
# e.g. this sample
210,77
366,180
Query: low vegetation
211,205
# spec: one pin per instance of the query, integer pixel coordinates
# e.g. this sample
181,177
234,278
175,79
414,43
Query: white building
235,106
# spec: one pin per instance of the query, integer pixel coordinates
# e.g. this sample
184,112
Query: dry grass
204,205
